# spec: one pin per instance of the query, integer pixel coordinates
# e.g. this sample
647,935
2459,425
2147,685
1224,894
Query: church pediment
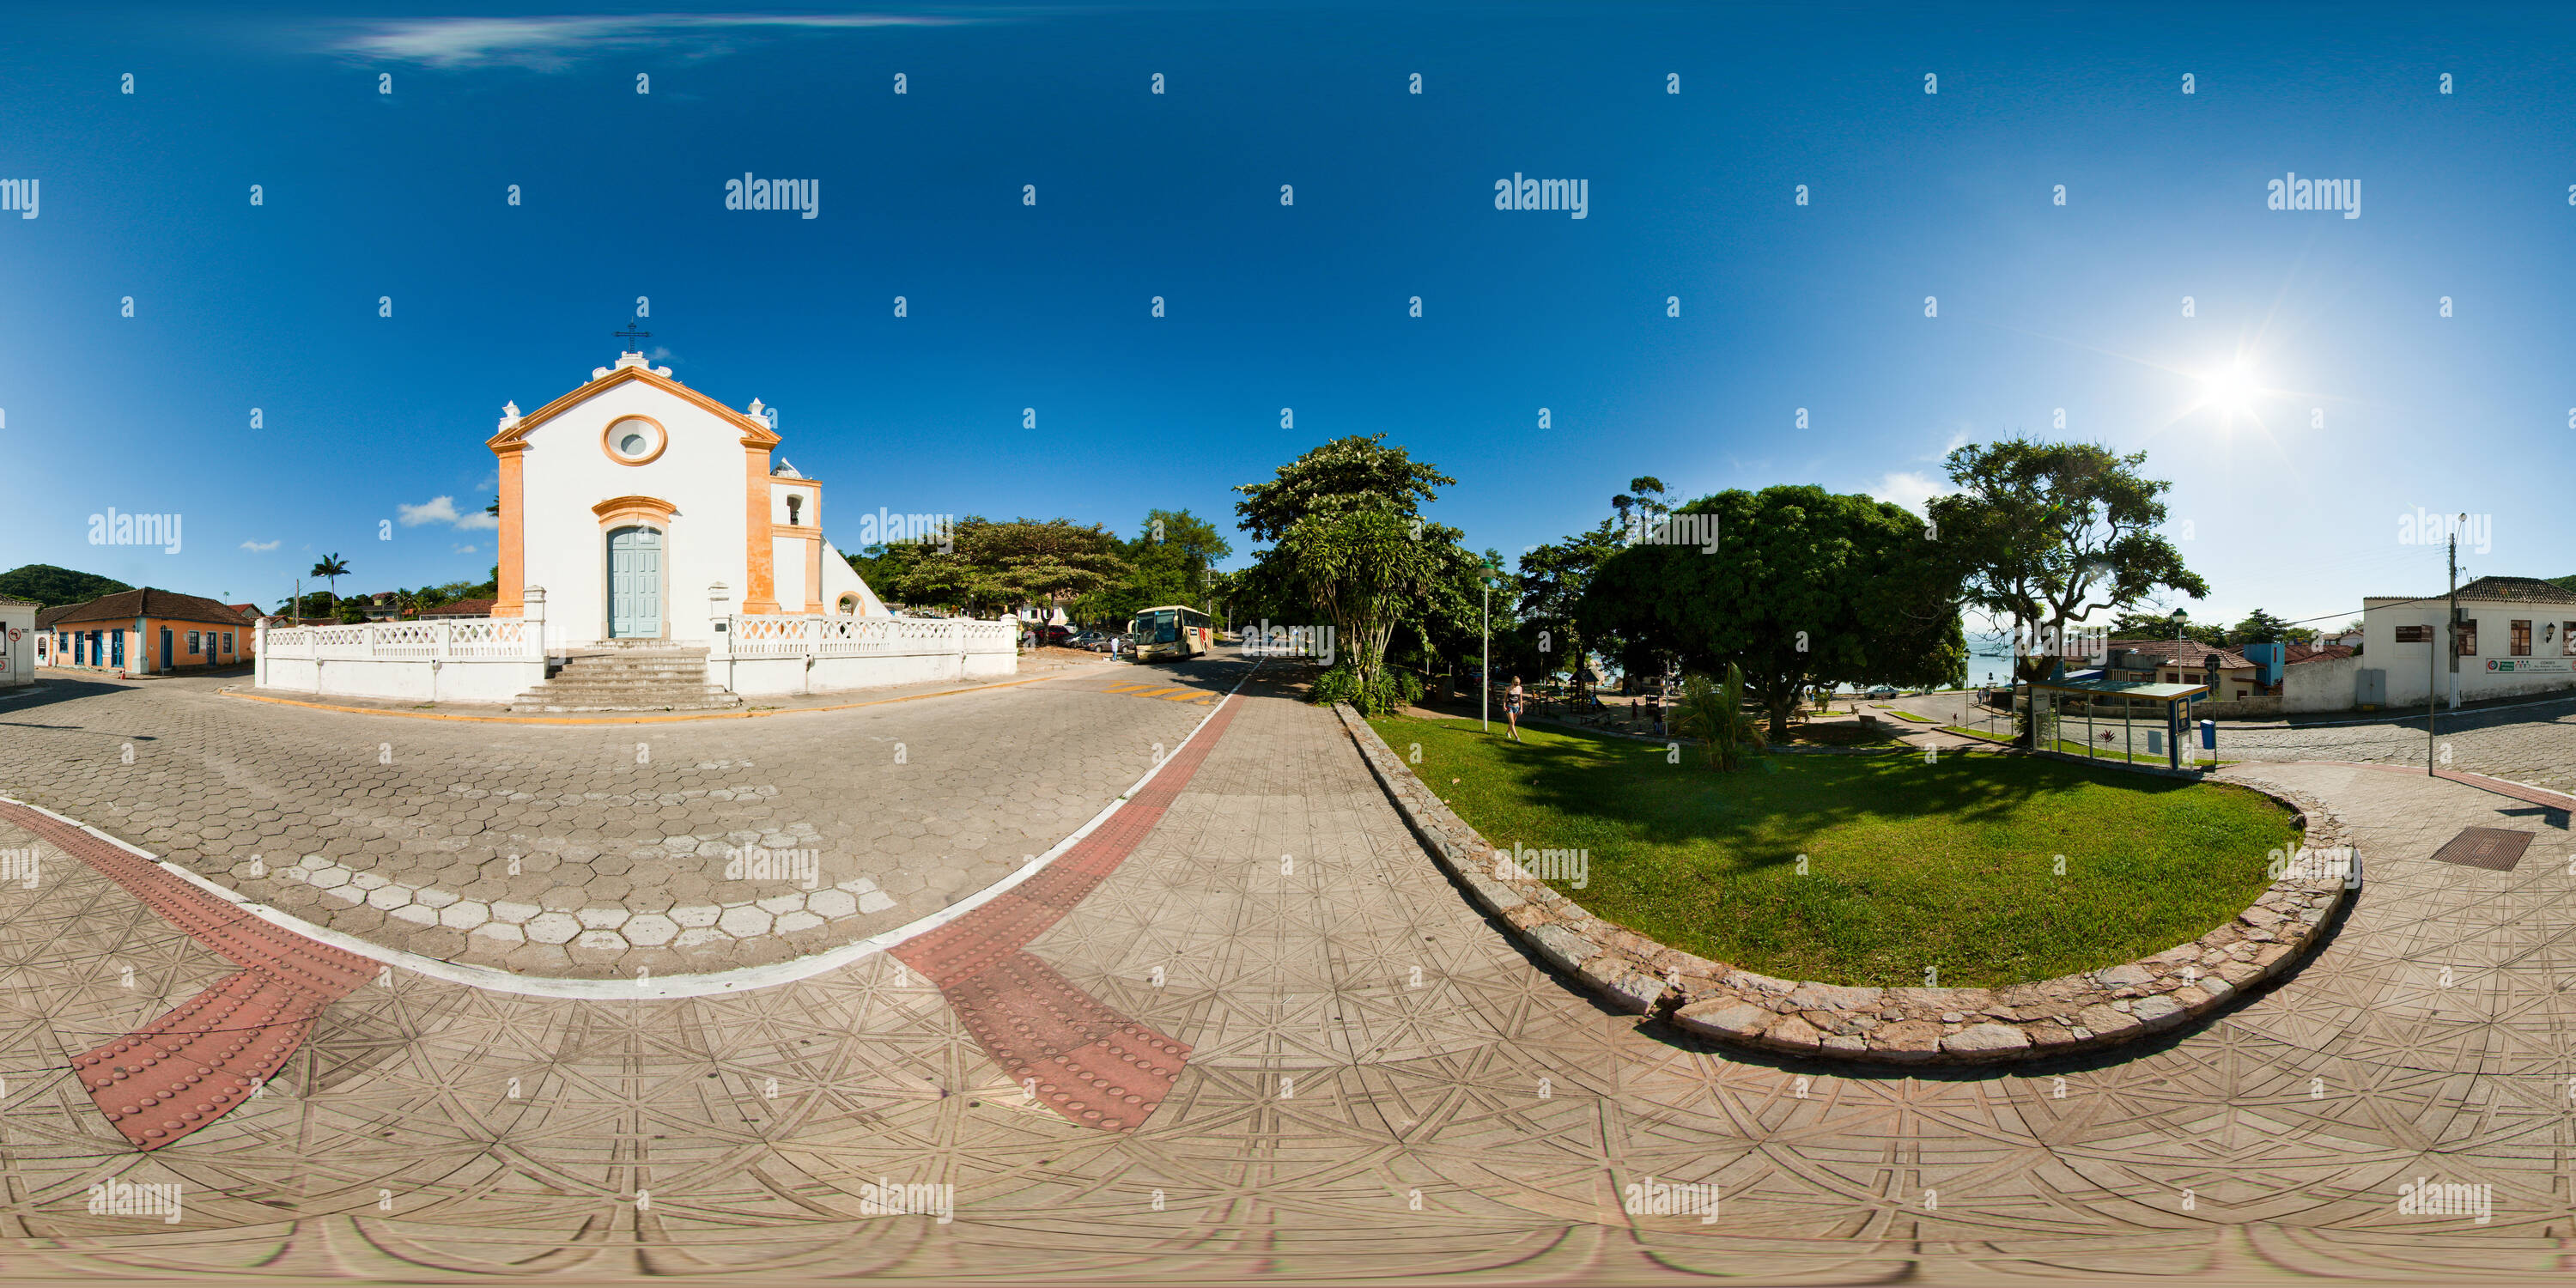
755,432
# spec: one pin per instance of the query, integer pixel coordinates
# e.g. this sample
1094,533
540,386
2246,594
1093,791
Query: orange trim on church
762,595
511,601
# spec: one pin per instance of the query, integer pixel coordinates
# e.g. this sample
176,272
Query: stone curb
1885,1026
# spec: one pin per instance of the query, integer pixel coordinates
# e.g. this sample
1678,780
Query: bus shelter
2126,721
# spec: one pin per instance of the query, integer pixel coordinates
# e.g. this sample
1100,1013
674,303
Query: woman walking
1512,707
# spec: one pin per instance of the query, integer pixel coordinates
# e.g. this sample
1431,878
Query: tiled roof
2298,653
2182,652
13,599
126,605
2502,590
461,608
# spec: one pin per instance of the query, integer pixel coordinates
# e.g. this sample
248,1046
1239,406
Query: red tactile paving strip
213,1051
1083,1060
2519,791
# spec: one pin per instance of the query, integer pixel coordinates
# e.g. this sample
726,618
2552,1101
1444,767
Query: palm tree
1715,714
331,570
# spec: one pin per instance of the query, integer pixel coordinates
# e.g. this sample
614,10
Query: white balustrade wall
476,659
773,654
495,659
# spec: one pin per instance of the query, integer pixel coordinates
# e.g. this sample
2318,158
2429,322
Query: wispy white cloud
1911,489
261,546
553,44
442,509
465,550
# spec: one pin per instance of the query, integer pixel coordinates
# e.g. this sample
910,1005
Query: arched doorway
635,582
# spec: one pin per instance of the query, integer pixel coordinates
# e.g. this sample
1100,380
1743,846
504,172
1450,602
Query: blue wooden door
635,583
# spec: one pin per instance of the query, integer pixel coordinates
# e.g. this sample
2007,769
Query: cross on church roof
634,331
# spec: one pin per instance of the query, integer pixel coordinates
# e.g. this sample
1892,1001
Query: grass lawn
1908,866
1906,715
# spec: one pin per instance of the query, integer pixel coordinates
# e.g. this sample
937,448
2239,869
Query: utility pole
2454,623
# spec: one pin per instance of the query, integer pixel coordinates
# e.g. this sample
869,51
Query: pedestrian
1512,707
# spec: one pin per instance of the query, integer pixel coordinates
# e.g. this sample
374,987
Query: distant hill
51,586
2564,583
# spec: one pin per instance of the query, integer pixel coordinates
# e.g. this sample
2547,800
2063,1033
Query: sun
2230,390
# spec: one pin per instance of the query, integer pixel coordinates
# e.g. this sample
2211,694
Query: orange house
145,632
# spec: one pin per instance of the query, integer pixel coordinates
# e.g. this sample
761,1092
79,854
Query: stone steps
628,679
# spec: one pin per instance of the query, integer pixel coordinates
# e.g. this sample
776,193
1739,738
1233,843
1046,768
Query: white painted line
715,984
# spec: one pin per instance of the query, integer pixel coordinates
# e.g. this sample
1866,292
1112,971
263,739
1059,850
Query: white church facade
639,514
629,498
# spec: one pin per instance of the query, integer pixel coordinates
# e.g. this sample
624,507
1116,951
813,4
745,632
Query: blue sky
2041,306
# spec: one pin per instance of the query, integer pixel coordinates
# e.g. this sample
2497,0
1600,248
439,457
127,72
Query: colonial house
146,632
2514,635
2185,662
640,515
17,641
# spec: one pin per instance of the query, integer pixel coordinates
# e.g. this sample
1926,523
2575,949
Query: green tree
1552,581
2260,627
992,566
1715,714
1806,587
1339,475
331,569
1349,541
2051,533
2166,626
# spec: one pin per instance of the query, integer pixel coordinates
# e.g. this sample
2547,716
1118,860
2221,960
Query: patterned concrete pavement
1378,1083
601,851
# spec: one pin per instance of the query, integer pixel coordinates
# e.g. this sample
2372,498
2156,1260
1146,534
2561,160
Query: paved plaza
1337,1067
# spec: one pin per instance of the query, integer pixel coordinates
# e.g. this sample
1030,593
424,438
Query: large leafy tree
1340,475
1806,587
1172,560
2052,533
2260,627
1348,541
993,566
2175,625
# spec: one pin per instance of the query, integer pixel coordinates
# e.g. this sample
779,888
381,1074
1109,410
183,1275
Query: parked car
1882,691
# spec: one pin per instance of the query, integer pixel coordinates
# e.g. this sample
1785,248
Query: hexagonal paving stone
745,922
464,914
553,928
650,930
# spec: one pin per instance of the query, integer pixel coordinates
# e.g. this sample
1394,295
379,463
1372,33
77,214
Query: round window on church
632,440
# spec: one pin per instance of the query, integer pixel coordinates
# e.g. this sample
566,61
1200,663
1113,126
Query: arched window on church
795,508
849,606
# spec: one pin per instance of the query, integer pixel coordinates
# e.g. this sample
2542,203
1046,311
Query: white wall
700,472
2324,685
20,653
839,579
2406,663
